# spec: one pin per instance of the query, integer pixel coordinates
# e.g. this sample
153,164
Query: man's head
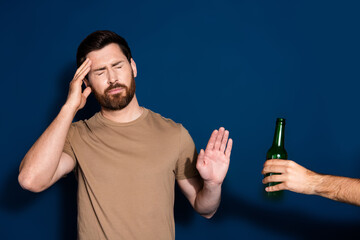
113,70
98,40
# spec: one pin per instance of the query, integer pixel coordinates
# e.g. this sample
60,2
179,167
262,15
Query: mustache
116,85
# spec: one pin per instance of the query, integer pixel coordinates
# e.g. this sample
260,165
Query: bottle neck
279,134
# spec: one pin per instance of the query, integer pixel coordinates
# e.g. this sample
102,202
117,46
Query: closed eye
118,64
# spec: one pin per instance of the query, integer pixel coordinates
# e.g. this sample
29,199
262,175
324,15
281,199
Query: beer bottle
277,151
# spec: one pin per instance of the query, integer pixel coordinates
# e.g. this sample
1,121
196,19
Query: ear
133,66
86,81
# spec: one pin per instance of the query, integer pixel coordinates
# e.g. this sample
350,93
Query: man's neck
131,112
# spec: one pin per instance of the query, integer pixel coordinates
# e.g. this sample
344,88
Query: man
298,179
126,157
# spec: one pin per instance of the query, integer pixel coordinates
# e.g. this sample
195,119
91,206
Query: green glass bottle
277,151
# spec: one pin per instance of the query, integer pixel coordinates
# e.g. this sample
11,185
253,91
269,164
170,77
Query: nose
112,77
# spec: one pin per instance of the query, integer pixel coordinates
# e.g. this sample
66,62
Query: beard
116,101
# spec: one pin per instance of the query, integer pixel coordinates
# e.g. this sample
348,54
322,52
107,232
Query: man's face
112,77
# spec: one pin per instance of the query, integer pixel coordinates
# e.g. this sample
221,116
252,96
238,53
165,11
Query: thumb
201,156
87,92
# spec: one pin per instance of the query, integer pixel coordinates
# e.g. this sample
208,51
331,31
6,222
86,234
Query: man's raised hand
76,98
213,163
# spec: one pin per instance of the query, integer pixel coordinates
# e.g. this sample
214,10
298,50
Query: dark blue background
206,64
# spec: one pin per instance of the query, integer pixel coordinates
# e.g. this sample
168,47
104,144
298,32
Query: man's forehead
107,54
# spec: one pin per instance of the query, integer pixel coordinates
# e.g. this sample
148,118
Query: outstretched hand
293,177
76,98
213,163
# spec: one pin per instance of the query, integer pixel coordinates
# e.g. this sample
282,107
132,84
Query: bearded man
126,157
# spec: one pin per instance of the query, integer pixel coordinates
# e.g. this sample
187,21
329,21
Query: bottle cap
280,120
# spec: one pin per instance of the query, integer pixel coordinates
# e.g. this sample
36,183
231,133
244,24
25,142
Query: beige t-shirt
126,175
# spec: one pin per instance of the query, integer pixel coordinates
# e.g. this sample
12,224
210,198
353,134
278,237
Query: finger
82,69
86,92
274,178
201,158
282,162
228,148
224,141
275,188
219,138
274,169
82,74
75,84
82,66
211,143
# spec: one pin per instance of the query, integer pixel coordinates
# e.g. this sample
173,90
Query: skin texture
296,178
45,163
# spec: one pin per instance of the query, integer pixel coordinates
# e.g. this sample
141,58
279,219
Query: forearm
208,200
337,188
41,161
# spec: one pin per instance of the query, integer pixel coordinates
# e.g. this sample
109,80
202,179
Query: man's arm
301,180
45,162
204,192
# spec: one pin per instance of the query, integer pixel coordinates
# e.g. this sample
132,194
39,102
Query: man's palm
213,163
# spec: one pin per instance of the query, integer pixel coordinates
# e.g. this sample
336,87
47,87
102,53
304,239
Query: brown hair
99,39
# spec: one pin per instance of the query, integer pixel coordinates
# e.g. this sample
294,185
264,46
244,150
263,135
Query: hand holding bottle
292,176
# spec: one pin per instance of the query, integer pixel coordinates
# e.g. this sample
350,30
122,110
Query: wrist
212,186
69,109
319,184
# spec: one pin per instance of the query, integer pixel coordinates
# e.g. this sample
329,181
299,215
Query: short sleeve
67,146
186,163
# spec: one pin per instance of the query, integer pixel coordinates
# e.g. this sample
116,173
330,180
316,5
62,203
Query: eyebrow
117,63
99,69
103,68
